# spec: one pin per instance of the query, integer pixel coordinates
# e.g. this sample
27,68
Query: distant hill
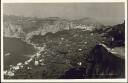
115,35
87,21
16,26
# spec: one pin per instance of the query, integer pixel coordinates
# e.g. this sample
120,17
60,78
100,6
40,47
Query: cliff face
27,27
13,30
46,27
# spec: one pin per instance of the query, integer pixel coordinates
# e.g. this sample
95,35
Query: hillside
115,35
67,49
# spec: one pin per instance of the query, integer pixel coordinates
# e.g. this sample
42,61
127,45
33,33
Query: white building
79,63
36,63
10,73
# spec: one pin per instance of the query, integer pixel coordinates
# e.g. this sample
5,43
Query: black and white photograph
64,41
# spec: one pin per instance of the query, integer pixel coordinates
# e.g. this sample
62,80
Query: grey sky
106,13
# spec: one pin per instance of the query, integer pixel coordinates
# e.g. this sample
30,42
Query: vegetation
74,53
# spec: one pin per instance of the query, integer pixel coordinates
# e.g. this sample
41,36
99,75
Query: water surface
16,50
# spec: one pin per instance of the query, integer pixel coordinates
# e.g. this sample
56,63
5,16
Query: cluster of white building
85,27
35,57
11,71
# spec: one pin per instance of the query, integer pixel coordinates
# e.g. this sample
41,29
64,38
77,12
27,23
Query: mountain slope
69,51
99,64
15,26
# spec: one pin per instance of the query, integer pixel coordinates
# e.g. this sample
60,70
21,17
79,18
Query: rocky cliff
26,27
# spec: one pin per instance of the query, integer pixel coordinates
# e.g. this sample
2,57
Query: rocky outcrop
98,64
104,64
13,30
114,35
26,27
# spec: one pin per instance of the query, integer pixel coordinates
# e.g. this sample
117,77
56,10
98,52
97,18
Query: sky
105,13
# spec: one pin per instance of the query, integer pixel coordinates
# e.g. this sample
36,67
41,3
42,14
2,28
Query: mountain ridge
14,25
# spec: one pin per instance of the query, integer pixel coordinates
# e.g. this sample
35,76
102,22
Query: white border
58,1
60,80
1,41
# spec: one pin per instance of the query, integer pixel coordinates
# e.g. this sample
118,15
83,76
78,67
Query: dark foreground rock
98,64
